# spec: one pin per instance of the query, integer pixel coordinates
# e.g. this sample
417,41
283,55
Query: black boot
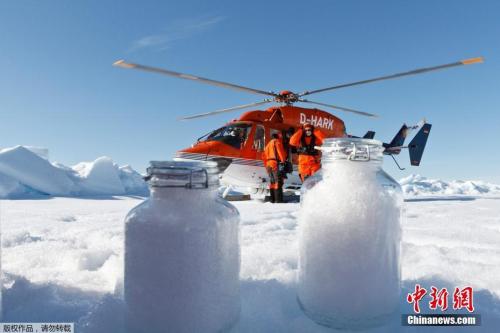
272,196
279,195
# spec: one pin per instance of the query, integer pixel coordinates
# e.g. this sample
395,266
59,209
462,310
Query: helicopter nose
192,154
203,151
197,148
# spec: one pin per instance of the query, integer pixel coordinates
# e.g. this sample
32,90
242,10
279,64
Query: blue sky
59,90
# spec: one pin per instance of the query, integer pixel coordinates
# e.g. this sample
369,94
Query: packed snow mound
418,185
40,151
25,173
9,187
132,181
35,172
100,176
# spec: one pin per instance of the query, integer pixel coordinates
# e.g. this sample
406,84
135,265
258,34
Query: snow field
56,264
78,245
457,241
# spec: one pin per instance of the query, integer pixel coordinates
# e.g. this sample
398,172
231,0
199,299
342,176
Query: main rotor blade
123,64
394,76
340,108
200,115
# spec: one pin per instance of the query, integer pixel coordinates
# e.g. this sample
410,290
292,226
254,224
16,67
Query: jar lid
190,175
352,149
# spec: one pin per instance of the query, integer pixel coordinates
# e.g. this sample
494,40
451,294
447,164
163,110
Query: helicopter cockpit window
258,141
234,135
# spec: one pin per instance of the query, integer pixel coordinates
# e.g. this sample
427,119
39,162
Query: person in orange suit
275,157
309,158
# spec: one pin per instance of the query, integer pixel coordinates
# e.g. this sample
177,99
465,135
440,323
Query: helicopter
238,146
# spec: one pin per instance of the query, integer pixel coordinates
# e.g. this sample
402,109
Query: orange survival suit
274,155
309,158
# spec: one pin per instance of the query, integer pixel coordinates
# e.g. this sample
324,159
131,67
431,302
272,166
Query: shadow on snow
267,306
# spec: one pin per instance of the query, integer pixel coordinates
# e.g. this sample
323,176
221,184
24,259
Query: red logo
439,299
416,297
462,298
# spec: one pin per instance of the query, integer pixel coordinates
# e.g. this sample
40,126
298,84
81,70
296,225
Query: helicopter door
258,143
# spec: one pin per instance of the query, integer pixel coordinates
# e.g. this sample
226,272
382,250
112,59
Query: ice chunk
10,187
25,172
99,177
40,151
33,171
419,185
133,181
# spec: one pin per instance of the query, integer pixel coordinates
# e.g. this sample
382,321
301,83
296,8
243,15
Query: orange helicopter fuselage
254,129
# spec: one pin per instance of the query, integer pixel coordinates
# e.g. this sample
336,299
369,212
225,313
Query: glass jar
349,238
182,256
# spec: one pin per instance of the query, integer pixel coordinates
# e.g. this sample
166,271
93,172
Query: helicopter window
258,141
234,135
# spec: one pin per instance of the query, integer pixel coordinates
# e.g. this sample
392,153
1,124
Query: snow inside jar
350,234
182,256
